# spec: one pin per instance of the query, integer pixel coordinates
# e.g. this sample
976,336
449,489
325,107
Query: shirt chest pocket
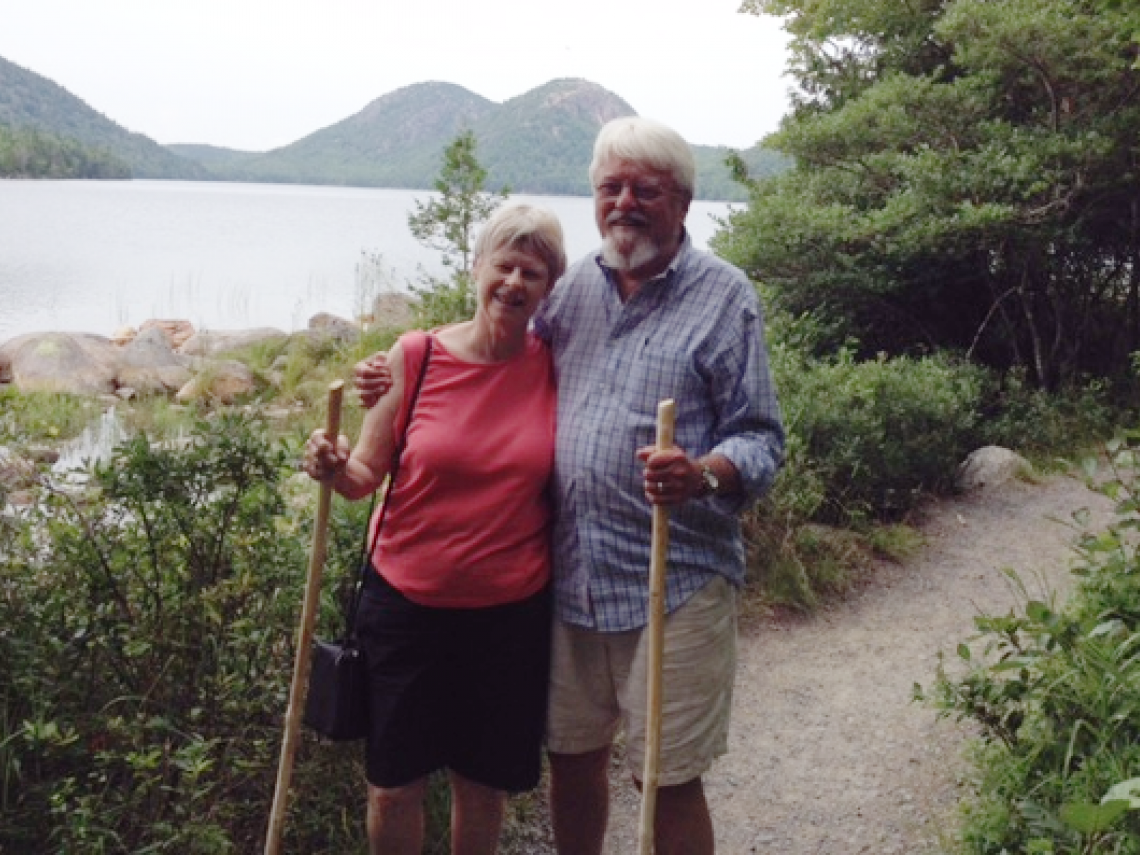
658,372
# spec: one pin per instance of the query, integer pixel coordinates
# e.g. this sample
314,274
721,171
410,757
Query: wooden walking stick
666,417
300,684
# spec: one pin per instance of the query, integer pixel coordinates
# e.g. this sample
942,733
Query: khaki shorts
598,686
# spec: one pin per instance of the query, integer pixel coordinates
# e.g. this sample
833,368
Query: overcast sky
257,74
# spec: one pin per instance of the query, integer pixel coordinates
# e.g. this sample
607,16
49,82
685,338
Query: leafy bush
868,438
1039,423
1056,693
865,441
146,635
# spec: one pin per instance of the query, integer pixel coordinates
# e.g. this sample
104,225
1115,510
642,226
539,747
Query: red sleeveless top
469,520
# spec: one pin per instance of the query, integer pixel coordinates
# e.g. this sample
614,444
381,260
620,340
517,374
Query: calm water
91,256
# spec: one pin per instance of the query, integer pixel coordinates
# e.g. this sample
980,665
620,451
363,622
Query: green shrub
1041,424
146,646
1056,694
867,439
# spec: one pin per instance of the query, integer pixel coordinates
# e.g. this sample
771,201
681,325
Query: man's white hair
648,142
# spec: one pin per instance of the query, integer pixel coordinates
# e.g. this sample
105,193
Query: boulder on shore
326,325
177,332
219,341
224,381
150,366
71,363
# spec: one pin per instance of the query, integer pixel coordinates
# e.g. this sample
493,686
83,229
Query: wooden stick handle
666,419
299,687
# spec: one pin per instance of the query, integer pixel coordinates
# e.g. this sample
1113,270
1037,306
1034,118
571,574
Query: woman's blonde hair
527,228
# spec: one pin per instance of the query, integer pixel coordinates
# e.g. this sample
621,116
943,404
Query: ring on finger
660,486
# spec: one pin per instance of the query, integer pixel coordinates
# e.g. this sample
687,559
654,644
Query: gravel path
828,754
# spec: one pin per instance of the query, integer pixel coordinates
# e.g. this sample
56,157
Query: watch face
711,481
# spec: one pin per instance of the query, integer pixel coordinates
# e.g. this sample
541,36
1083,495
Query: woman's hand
372,378
323,461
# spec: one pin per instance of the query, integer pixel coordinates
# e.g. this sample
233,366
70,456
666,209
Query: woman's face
510,283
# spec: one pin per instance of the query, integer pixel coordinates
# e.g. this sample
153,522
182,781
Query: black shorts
458,689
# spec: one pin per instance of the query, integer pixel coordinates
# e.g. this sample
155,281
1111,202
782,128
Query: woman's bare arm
354,472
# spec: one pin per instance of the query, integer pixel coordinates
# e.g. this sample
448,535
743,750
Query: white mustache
619,219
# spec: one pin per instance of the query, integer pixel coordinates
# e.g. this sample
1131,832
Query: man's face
640,213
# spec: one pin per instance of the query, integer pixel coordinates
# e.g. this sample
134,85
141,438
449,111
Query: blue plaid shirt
694,334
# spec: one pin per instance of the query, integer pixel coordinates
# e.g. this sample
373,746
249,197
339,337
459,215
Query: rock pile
161,357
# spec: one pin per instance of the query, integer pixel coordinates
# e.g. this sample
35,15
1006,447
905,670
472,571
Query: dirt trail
828,754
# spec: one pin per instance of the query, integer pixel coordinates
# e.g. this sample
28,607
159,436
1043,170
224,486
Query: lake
92,256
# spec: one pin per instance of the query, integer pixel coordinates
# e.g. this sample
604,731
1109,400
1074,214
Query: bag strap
393,471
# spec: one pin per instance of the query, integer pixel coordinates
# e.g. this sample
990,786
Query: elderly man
648,318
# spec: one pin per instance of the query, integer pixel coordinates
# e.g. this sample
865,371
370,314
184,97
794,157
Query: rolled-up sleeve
749,429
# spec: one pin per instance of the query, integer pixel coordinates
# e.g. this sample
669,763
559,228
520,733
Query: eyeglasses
642,191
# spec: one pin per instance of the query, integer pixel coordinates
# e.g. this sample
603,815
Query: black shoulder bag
336,707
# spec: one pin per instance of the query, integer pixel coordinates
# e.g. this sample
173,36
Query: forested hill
395,141
40,116
539,142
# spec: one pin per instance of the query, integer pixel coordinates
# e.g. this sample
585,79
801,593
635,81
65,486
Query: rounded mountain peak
577,97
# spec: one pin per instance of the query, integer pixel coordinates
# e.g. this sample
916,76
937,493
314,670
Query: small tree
447,224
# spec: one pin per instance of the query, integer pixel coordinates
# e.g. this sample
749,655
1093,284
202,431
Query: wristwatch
709,482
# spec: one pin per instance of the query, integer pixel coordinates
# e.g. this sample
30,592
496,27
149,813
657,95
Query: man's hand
671,476
372,379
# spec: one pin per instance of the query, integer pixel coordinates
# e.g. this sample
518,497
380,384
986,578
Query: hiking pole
301,661
666,417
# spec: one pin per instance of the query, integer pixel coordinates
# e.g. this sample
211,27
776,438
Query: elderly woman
455,620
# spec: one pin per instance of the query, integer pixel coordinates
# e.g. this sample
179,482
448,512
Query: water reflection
92,446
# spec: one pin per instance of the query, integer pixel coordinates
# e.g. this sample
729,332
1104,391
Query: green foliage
146,630
964,179
44,416
31,153
866,441
448,224
67,134
1056,695
724,173
1041,425
875,435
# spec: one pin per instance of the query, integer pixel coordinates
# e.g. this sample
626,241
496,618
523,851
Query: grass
44,417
